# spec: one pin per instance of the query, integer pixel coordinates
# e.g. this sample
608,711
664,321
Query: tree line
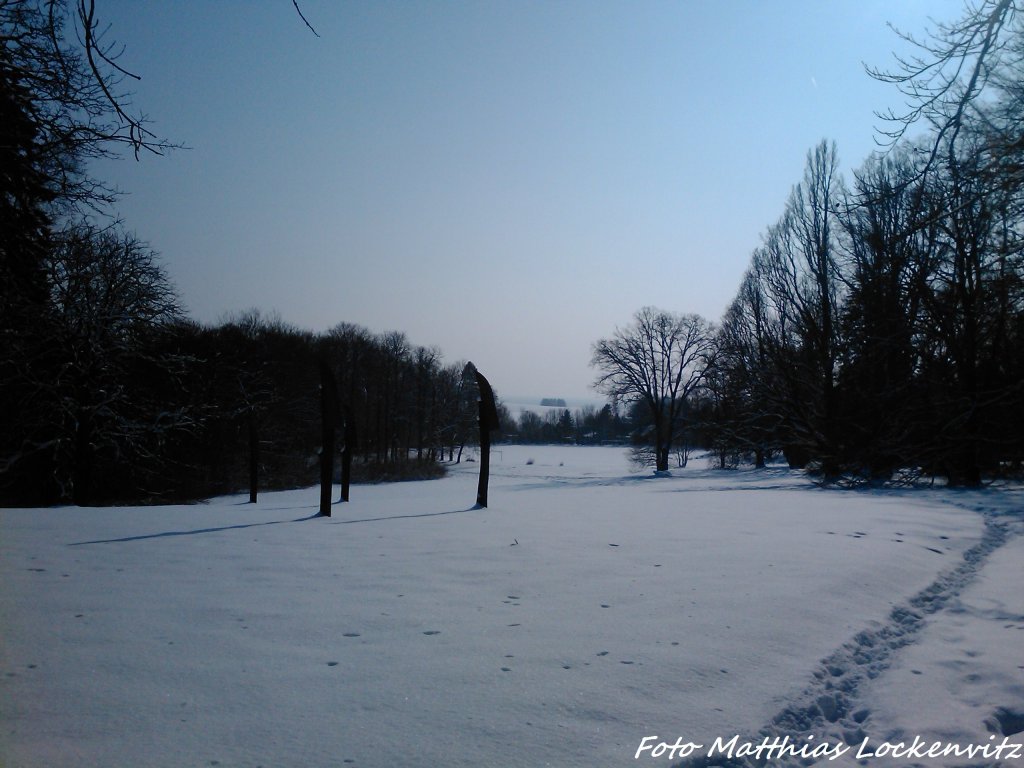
118,396
108,391
588,425
878,332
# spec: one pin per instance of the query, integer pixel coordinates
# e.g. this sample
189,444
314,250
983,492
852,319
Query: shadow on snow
239,526
167,534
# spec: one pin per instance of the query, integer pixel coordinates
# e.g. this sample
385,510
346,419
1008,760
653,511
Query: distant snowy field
589,607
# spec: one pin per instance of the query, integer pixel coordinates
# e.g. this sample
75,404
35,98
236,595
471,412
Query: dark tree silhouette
347,452
488,422
660,360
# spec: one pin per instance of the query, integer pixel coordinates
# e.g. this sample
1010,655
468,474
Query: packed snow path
588,608
838,708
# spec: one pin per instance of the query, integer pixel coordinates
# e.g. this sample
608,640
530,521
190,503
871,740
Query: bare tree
659,360
890,233
63,52
949,71
745,421
88,393
800,273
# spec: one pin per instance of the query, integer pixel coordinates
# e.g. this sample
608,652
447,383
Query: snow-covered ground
589,608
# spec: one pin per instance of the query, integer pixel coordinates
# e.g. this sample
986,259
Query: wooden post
346,453
485,460
488,422
254,457
328,421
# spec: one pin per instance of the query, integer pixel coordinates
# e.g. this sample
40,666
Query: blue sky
508,181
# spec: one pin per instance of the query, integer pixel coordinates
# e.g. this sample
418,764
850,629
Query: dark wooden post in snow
254,457
346,452
488,422
328,420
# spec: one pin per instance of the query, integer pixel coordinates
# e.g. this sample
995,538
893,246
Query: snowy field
589,608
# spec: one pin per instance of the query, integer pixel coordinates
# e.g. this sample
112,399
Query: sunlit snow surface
591,605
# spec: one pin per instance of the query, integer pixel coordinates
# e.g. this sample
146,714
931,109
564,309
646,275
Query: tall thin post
254,457
488,422
328,421
346,453
485,460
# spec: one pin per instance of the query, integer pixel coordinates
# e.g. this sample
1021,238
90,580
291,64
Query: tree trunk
81,491
328,420
485,460
254,452
662,443
488,421
661,460
346,454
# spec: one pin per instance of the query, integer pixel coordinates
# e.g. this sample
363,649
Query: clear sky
506,180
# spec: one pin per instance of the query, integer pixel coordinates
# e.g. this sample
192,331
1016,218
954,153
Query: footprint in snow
432,632
602,653
1009,721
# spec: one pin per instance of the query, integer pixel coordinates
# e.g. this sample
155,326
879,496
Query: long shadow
725,480
731,488
474,508
166,534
